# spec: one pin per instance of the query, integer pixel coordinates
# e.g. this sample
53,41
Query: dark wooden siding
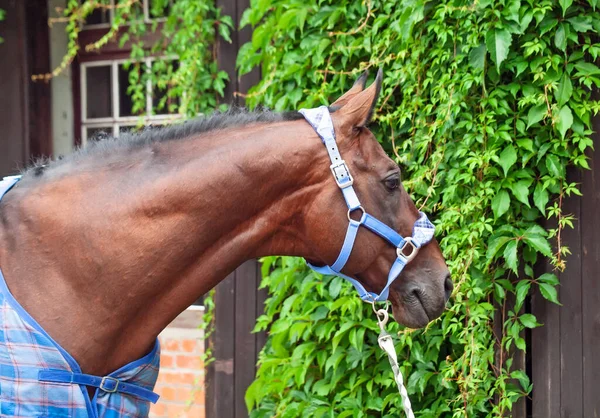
238,301
565,356
25,105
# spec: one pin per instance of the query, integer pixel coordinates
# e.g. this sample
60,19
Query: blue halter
423,230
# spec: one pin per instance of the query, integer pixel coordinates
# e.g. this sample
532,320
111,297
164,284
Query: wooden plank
38,56
221,389
246,81
13,88
571,343
590,228
227,52
261,297
245,344
220,379
519,409
545,367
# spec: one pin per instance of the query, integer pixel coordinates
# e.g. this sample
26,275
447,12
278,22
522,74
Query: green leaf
521,191
301,18
507,158
565,90
522,377
540,197
477,57
520,343
565,120
529,321
539,243
495,245
587,68
555,168
536,114
549,292
565,4
549,278
560,38
498,44
335,287
581,23
510,254
500,203
522,289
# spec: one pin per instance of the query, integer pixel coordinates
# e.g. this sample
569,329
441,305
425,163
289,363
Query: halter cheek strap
423,230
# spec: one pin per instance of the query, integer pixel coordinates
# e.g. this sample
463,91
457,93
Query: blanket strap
108,384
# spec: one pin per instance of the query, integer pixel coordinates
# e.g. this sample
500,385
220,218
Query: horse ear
358,110
357,87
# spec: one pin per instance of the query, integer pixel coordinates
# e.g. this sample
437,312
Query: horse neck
133,240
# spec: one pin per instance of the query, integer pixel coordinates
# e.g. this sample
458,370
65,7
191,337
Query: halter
406,248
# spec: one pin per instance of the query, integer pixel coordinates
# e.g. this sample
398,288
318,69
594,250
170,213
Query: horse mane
103,144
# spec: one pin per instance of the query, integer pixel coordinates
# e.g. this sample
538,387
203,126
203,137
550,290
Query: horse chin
409,311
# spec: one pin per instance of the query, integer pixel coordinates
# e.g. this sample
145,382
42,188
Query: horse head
421,291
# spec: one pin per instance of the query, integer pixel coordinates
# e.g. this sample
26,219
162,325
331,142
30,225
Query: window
146,10
106,105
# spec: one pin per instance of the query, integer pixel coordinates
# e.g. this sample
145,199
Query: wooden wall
238,301
565,352
24,106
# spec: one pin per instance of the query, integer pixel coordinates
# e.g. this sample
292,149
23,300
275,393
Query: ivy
186,71
2,17
484,104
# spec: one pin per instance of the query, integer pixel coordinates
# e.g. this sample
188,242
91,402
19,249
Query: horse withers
102,249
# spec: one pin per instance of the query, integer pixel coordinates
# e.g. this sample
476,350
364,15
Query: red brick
195,395
178,377
166,360
189,362
171,345
189,345
189,411
196,411
176,411
158,410
167,393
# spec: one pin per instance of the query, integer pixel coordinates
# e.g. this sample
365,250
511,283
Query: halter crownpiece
406,248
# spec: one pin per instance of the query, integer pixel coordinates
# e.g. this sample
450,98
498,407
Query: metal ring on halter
352,210
408,242
373,302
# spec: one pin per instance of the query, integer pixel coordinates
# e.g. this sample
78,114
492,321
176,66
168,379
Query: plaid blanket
27,351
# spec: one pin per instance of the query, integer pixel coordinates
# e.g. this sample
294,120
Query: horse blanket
38,378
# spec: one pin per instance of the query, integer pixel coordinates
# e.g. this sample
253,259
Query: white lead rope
387,344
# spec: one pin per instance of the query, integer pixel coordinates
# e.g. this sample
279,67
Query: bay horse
105,247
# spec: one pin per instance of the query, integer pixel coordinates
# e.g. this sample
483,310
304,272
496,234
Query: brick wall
181,379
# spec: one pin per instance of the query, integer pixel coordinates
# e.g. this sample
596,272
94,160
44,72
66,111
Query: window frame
113,123
111,16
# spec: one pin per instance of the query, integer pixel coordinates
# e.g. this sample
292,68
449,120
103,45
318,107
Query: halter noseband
423,230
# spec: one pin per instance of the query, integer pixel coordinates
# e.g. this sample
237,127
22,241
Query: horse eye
392,182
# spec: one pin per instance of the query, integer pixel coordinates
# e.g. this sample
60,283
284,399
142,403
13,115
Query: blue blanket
38,378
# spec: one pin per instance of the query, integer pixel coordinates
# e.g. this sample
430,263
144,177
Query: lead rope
387,344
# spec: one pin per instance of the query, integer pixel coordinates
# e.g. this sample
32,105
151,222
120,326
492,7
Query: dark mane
103,144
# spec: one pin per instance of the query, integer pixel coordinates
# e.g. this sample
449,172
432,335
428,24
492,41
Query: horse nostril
448,286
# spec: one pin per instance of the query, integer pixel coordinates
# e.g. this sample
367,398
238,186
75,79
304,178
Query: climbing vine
186,41
2,17
484,104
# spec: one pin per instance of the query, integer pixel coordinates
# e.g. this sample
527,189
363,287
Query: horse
105,247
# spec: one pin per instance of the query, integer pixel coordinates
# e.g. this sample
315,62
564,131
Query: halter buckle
408,242
341,174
